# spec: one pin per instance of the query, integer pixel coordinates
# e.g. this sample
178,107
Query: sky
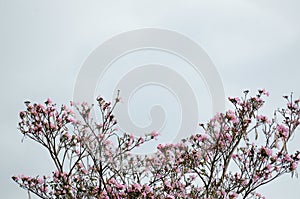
44,45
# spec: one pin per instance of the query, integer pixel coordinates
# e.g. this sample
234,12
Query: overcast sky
43,44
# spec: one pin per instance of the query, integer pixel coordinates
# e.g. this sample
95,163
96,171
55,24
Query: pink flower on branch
94,160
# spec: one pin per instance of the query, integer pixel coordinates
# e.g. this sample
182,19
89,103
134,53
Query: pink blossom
283,131
287,158
137,186
294,166
154,134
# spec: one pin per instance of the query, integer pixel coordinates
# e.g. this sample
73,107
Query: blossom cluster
234,154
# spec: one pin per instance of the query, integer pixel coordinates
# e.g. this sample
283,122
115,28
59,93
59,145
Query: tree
235,153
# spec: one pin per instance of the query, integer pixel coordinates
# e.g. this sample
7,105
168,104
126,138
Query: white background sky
254,44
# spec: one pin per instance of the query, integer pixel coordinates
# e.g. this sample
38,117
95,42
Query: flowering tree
237,152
